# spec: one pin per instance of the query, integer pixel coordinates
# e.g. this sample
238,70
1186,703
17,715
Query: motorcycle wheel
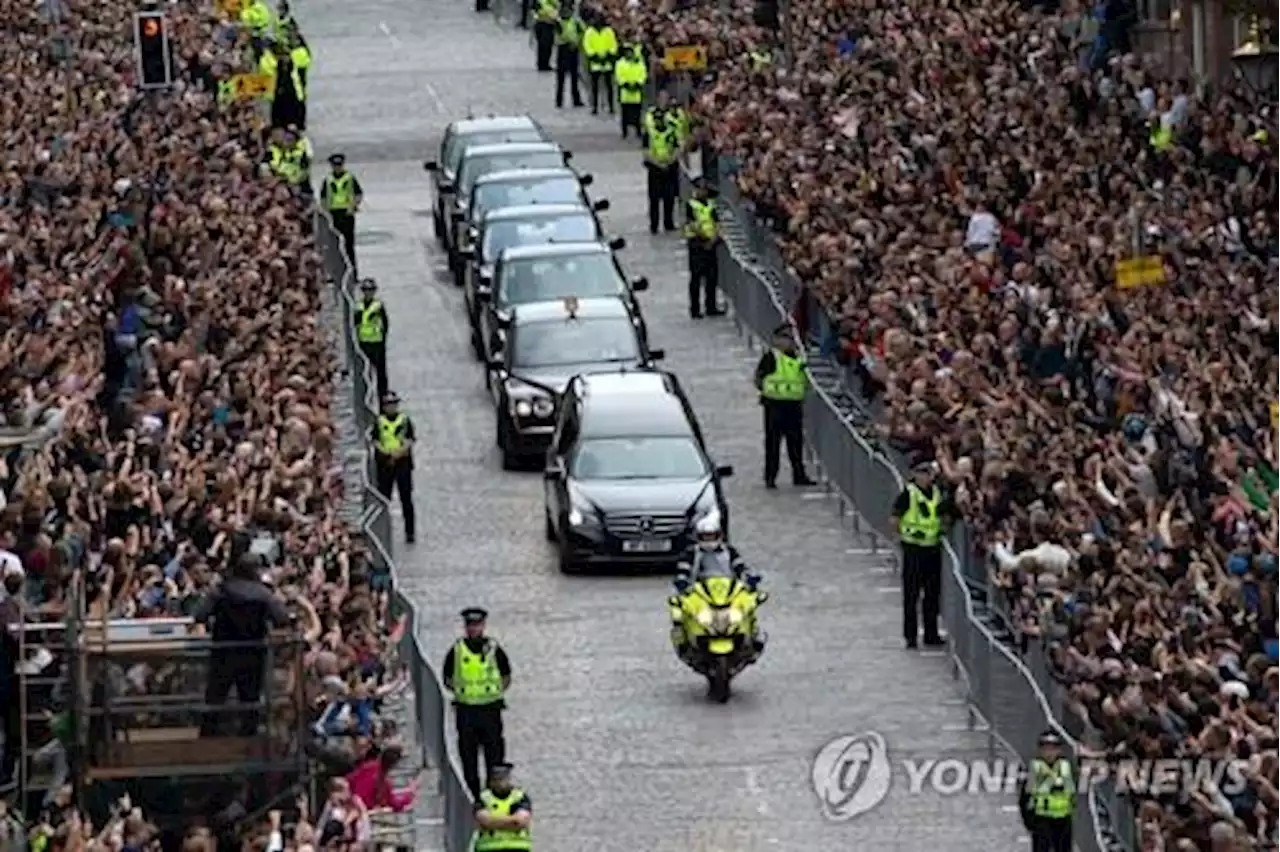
718,681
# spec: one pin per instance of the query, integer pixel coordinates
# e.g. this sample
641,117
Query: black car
628,474
529,274
518,187
481,160
546,344
462,134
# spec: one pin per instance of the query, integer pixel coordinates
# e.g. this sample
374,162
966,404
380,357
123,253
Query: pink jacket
371,786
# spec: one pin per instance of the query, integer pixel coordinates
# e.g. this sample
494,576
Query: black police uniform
243,609
479,726
344,222
569,59
376,350
922,577
783,421
703,265
397,474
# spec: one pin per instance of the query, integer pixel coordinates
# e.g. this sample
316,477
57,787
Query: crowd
954,184
161,312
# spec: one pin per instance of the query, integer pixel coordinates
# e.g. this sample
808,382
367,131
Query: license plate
720,646
647,545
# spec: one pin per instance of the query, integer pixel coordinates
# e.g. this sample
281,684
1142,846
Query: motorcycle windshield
719,591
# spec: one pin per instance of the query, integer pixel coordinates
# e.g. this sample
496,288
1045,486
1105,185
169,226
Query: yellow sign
1275,415
1144,271
249,86
231,8
689,57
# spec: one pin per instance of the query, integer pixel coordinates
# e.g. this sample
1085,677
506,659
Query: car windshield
638,458
474,168
545,279
516,193
582,341
573,228
459,144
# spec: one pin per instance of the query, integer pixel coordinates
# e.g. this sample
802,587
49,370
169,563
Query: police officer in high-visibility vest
1047,798
600,44
545,22
922,514
257,18
569,31
478,673
662,130
702,235
503,815
393,437
631,75
783,383
341,195
371,331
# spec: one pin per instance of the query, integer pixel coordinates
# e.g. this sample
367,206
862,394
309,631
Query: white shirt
983,231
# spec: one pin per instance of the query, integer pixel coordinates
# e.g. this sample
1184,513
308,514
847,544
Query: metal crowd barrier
1012,698
431,705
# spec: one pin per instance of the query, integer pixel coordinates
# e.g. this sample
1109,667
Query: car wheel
510,460
477,347
438,221
550,528
568,565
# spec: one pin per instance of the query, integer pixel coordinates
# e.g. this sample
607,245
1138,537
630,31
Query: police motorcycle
715,630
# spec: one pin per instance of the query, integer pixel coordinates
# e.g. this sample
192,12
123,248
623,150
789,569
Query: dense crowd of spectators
955,183
160,309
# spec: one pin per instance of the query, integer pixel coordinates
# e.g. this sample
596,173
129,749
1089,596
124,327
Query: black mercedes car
524,275
546,344
464,133
628,474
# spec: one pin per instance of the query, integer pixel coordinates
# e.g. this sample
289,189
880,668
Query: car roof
499,148
491,123
647,382
599,307
634,415
519,175
519,212
534,252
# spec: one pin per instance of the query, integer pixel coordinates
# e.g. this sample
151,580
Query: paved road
612,737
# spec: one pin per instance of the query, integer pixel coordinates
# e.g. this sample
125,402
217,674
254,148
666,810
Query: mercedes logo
646,525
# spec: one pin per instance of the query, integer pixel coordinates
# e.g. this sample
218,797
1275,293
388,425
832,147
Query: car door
556,475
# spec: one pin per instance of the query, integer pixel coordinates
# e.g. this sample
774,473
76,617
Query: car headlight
575,518
543,407
522,408
705,617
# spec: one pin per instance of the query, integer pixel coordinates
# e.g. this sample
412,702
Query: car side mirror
724,470
467,254
496,363
484,294
431,166
447,186
601,205
553,471
568,155
587,180
640,284
618,243
458,215
504,322
657,354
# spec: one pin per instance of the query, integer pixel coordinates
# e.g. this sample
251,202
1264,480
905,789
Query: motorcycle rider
710,549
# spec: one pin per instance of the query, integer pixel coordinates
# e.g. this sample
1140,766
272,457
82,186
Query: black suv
546,344
628,474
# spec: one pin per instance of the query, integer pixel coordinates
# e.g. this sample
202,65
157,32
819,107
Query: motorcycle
715,613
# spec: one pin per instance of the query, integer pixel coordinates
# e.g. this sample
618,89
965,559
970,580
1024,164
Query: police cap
474,615
368,284
390,398
337,159
923,467
1050,738
500,770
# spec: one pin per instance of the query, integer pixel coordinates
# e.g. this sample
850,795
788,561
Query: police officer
662,129
478,673
783,384
393,438
371,331
702,235
568,50
545,21
631,75
342,194
503,815
921,514
1048,796
600,44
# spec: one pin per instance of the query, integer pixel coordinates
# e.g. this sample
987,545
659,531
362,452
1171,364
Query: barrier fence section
430,703
1011,697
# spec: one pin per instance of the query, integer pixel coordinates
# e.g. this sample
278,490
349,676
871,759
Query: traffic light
151,39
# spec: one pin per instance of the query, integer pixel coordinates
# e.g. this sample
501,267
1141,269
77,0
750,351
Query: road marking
960,728
386,31
813,495
888,590
435,98
862,551
754,788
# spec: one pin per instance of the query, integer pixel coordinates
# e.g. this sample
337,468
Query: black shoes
935,642
803,480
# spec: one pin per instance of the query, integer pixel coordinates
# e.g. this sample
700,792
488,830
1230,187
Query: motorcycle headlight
734,616
705,617
544,407
522,408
